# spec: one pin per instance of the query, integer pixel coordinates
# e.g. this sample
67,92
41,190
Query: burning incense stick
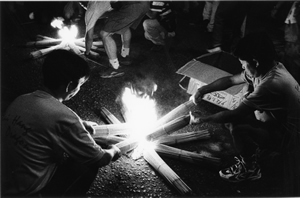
160,166
183,155
183,137
169,127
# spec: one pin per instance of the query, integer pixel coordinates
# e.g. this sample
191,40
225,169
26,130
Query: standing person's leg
223,12
89,40
110,48
153,31
126,40
207,10
210,25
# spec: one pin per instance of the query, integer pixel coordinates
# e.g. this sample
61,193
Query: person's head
64,70
256,53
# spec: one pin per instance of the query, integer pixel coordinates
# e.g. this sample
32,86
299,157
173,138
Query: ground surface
127,177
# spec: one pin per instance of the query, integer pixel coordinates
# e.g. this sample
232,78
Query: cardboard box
208,68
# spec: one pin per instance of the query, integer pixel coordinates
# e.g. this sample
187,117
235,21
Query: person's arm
217,85
224,116
112,153
89,126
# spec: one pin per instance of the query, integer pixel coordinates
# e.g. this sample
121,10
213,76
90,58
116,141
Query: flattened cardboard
208,68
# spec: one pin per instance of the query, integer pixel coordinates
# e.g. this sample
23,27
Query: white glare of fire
144,144
57,23
140,112
68,34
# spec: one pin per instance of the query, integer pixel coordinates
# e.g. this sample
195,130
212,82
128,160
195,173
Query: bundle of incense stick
184,155
182,109
43,52
127,145
77,46
169,127
112,129
112,139
183,137
82,44
43,43
47,41
74,47
108,116
160,166
82,49
39,37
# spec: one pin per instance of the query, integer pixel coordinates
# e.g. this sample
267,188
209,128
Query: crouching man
267,117
47,150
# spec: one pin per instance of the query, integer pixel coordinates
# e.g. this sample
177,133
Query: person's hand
87,54
89,126
196,118
163,35
117,152
262,116
196,97
171,34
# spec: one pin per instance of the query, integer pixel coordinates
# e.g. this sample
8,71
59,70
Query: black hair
258,46
61,67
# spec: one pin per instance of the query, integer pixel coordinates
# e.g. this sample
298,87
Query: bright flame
68,34
143,145
64,32
139,111
57,23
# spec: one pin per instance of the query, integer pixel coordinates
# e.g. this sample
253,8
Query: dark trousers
70,180
249,134
228,19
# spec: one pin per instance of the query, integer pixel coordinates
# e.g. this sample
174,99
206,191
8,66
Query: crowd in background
224,21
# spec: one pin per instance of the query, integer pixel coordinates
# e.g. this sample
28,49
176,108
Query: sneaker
111,73
215,49
125,60
240,172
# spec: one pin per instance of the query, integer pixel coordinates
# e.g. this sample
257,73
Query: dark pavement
135,178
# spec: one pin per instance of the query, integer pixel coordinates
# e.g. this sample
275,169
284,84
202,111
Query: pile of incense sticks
162,137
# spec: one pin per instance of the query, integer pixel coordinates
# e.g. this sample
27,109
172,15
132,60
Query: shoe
112,73
215,49
125,60
240,172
